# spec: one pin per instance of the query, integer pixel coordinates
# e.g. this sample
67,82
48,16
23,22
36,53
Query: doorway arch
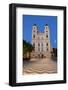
42,56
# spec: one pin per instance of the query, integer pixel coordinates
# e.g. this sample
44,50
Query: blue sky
29,20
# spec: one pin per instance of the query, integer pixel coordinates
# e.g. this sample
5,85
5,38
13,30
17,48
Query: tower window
46,27
47,44
34,28
33,44
47,49
33,36
46,31
47,36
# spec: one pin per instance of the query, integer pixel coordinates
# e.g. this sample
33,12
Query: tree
27,49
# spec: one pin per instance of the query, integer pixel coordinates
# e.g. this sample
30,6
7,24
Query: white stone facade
41,42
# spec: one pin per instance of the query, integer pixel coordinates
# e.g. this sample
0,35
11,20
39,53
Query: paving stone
40,66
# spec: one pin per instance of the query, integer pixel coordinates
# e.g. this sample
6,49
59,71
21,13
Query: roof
46,24
34,25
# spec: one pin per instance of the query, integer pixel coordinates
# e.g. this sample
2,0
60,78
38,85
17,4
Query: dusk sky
40,21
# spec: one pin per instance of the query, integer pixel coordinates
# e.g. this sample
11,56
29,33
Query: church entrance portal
40,55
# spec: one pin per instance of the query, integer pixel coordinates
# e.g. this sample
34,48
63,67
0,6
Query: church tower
47,37
34,35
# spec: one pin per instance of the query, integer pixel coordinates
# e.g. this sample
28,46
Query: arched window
46,31
34,27
33,44
47,49
47,36
33,36
46,27
46,44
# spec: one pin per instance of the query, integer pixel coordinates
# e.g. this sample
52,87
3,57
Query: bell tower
34,31
47,33
34,35
47,37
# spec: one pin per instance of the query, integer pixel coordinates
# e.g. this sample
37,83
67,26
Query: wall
4,44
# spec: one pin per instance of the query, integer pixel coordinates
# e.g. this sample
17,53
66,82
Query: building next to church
41,42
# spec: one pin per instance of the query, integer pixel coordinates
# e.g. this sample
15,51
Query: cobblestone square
40,66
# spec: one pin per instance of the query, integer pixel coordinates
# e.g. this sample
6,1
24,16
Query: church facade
41,42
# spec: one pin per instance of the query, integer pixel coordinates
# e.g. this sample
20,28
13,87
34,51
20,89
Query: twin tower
41,41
